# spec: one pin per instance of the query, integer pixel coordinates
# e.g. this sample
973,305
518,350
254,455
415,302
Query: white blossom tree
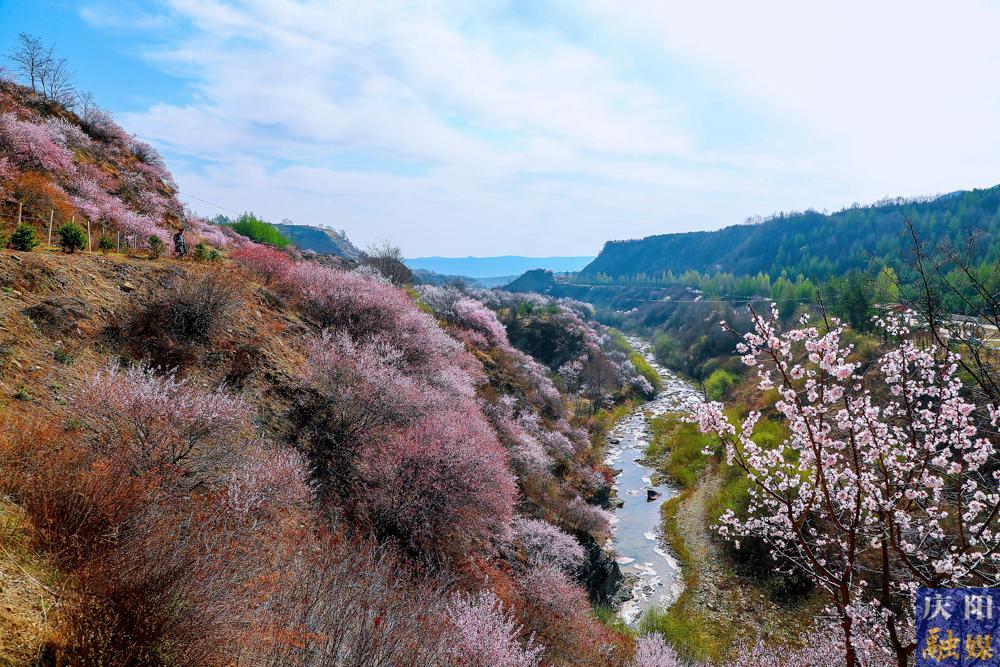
886,483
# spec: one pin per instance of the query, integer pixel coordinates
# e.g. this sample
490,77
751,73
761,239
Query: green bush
72,237
718,383
200,252
252,227
24,238
667,351
155,244
105,243
214,255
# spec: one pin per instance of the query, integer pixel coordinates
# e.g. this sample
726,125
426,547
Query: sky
539,127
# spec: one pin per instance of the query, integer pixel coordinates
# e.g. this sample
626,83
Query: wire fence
46,225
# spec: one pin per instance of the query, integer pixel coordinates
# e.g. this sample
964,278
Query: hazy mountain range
490,267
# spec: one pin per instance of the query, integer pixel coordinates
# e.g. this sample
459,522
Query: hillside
458,439
811,243
59,165
492,267
320,240
535,280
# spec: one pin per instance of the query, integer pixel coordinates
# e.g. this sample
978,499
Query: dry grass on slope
26,594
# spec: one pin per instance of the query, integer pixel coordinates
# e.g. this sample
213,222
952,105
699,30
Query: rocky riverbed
652,573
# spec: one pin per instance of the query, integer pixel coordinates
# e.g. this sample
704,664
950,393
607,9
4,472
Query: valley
652,574
232,442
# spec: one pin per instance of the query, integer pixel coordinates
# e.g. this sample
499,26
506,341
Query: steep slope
810,243
466,457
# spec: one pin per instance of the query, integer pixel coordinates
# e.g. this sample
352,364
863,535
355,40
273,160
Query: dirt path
725,608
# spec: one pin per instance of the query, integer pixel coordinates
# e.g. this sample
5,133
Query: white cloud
460,128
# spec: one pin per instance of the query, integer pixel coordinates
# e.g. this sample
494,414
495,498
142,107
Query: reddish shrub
440,486
336,600
270,264
175,322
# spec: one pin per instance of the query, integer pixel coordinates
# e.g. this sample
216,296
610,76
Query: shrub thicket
174,322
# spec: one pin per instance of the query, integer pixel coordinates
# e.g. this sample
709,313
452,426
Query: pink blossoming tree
887,482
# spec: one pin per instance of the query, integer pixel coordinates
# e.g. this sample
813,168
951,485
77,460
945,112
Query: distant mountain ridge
814,244
491,267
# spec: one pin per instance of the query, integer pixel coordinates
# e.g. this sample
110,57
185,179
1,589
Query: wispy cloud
458,128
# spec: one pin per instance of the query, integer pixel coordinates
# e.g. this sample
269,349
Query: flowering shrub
31,146
904,478
266,479
484,634
546,545
578,514
101,126
270,264
652,651
67,134
364,308
160,423
440,485
476,316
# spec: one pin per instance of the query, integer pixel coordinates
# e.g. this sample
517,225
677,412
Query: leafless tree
30,57
47,75
387,259
57,84
948,273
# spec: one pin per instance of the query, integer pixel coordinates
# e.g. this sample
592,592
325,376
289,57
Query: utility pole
51,213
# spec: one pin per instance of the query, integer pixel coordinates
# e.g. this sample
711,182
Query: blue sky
539,127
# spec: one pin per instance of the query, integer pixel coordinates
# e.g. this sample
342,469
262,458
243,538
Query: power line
210,203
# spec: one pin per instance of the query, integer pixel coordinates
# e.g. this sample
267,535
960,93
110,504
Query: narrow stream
651,572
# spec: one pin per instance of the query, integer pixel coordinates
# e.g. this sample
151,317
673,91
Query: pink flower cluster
484,633
30,145
544,545
652,651
157,422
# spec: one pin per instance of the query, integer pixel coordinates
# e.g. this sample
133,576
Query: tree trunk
852,658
